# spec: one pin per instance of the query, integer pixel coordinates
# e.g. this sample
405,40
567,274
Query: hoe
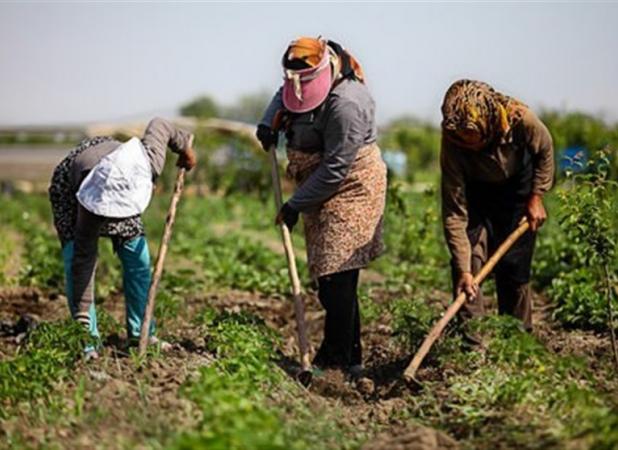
409,374
158,270
227,126
305,374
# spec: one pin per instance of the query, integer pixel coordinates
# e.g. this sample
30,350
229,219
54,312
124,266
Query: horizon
136,65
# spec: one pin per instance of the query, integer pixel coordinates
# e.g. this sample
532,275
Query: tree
418,140
576,129
202,107
248,108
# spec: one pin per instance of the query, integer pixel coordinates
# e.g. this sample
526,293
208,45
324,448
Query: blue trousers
135,259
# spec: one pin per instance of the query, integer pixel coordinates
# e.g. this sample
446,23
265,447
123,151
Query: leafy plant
514,381
589,219
412,320
580,302
416,257
46,358
232,392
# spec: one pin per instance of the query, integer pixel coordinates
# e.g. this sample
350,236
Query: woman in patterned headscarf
341,178
497,163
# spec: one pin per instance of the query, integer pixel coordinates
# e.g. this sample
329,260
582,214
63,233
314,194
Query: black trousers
338,295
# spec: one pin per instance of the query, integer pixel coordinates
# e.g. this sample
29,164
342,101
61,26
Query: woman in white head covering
100,189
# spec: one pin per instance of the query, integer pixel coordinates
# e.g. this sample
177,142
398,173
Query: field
228,382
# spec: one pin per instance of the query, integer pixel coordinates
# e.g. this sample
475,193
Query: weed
370,311
47,357
518,381
232,393
412,320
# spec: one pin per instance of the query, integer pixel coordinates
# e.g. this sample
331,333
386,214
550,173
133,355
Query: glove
287,215
266,136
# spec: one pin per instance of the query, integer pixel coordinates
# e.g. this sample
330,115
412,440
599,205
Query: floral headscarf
474,114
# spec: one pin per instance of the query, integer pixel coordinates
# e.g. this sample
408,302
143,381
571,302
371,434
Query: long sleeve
542,148
275,105
344,135
159,135
455,209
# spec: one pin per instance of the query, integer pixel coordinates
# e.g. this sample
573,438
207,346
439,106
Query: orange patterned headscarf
311,51
474,114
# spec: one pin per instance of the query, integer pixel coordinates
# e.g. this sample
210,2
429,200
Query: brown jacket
495,165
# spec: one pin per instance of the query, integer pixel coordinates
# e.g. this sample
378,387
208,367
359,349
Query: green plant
246,400
589,219
517,394
416,257
412,320
580,303
370,310
229,392
46,358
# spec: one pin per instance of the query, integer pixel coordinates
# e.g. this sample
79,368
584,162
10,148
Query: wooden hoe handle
299,306
158,270
436,331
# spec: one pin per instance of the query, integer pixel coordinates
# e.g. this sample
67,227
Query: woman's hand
467,285
288,216
536,212
187,160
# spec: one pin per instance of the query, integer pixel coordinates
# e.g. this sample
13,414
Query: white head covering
120,185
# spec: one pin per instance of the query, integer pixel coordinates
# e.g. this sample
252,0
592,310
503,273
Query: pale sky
77,63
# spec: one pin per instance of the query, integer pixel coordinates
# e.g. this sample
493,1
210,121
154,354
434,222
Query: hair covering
474,114
120,185
311,66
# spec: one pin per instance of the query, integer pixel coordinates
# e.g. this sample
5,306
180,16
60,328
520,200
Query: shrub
579,301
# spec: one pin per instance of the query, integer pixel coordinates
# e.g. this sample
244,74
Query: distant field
29,163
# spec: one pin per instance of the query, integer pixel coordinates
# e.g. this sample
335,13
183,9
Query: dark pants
514,295
341,346
494,212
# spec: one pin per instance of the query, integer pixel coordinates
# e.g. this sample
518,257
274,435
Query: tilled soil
374,405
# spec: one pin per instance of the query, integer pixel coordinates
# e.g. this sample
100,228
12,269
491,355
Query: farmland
223,302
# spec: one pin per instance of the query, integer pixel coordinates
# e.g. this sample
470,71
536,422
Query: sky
80,63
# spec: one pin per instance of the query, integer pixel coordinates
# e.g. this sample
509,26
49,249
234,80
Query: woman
497,163
100,189
341,182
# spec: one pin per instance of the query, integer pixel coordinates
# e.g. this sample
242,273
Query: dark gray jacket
338,128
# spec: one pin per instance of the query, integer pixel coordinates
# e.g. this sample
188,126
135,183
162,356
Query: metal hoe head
304,377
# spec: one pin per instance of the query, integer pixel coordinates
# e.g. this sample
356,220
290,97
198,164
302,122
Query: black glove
287,215
266,136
